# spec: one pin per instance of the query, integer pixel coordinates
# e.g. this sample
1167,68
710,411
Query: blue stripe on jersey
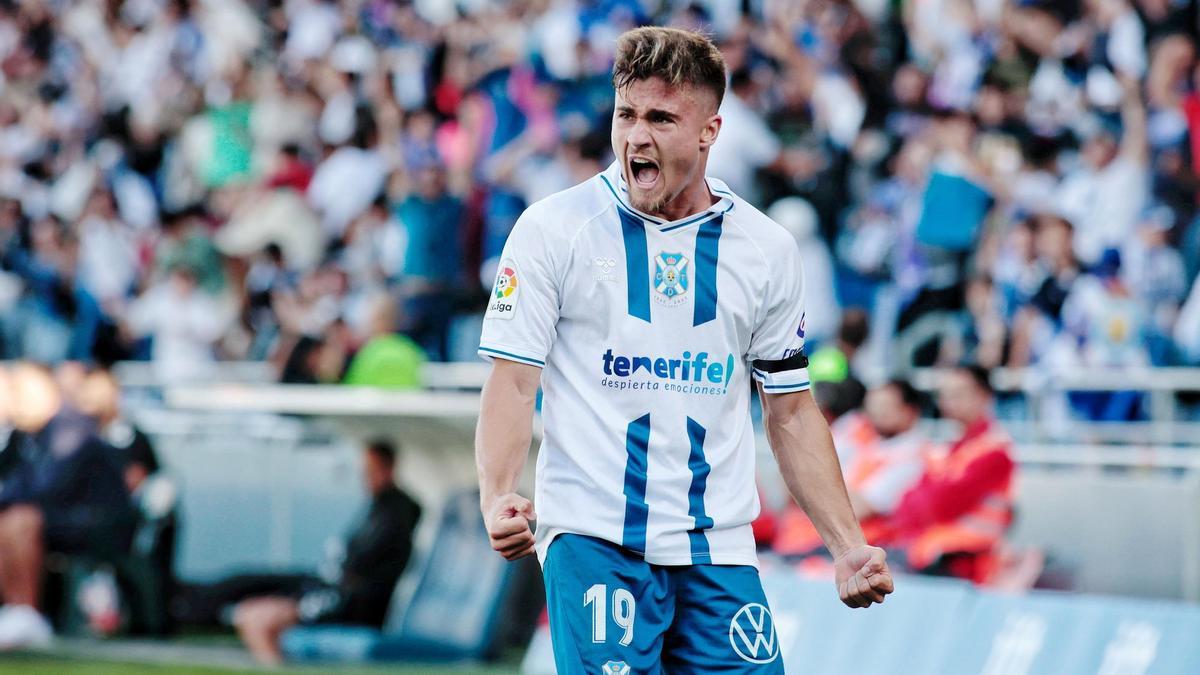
514,357
707,248
637,265
700,470
790,387
637,438
689,221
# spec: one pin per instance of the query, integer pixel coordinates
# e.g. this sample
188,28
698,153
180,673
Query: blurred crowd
1005,182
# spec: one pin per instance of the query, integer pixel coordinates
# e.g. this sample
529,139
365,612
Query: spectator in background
56,318
1105,193
186,241
1105,324
153,493
952,520
373,249
290,170
109,265
100,398
64,493
982,336
386,359
267,276
956,200
882,454
839,398
799,217
836,362
747,144
349,179
1055,269
1155,274
183,323
376,553
882,465
432,219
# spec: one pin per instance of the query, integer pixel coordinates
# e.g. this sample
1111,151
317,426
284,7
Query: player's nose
639,135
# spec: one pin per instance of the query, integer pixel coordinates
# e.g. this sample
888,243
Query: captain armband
794,362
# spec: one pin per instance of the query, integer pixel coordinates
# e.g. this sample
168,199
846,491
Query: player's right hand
507,518
862,576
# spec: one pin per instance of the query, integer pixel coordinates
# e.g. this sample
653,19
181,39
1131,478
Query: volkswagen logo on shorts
752,634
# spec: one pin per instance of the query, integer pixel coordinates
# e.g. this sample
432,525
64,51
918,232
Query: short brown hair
676,56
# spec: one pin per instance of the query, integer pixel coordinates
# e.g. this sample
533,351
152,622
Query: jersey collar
614,184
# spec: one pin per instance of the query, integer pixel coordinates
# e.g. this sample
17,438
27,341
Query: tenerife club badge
505,292
670,278
614,668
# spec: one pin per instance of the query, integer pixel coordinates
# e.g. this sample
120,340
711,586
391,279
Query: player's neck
696,197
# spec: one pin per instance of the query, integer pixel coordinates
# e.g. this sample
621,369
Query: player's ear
708,135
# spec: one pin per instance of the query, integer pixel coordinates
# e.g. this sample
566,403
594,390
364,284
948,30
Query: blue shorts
612,613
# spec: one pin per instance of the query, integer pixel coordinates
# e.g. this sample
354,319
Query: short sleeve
523,305
777,344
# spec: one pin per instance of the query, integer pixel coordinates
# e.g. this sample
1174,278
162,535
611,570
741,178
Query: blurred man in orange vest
882,454
952,520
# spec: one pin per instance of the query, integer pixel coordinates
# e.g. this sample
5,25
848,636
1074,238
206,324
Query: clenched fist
862,576
507,519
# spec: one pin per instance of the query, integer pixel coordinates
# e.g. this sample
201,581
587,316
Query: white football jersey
646,331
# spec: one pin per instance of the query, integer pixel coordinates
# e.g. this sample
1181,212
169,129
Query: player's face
661,136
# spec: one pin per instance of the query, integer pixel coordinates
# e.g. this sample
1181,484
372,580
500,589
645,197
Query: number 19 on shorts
623,611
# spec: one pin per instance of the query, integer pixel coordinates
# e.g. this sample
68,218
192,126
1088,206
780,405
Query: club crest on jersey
505,292
614,668
670,278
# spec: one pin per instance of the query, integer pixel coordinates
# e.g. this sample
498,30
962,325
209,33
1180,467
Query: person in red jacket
953,519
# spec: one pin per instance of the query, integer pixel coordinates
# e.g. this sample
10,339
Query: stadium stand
273,171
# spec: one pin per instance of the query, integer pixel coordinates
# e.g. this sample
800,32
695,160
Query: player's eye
624,114
659,118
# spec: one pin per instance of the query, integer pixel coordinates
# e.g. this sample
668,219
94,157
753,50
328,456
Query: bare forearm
503,435
809,465
1134,139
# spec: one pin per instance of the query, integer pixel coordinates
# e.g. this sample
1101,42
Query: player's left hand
862,576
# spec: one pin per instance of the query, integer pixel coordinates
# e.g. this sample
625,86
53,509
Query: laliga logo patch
505,292
670,278
800,330
614,668
752,634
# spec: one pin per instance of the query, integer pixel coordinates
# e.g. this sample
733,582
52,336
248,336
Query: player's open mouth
643,172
